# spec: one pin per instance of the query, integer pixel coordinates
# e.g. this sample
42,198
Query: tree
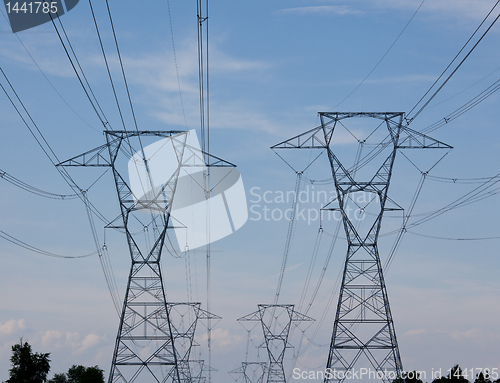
455,376
80,374
28,367
480,379
58,378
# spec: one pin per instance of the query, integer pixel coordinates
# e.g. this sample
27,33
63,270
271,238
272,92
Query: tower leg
144,350
363,327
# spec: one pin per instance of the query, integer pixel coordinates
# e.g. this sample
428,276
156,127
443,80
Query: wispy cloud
323,9
462,8
471,9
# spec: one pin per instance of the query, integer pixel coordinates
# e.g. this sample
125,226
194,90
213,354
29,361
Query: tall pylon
363,325
144,350
276,321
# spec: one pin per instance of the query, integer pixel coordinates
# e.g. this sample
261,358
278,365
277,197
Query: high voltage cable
26,246
410,119
454,239
42,193
383,57
47,149
204,100
46,78
102,117
464,90
123,71
31,189
107,65
464,108
289,236
461,180
175,62
477,194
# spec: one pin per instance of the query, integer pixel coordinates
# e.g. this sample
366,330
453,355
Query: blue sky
273,66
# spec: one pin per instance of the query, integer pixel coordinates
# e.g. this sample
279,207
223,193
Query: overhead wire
107,65
32,189
463,90
289,236
49,152
454,239
87,89
410,119
26,246
464,108
175,62
383,57
202,16
48,80
477,194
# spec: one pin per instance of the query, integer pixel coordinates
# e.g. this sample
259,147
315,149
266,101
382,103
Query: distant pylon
276,321
184,317
363,325
144,350
252,372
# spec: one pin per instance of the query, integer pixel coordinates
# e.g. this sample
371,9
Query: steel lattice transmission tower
276,321
184,317
144,350
363,326
252,372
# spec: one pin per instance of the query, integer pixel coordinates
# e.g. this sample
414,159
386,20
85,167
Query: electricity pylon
252,372
276,321
363,325
144,349
184,317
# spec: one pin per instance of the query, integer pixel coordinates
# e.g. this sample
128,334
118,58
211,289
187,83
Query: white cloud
54,339
419,331
223,339
474,9
12,326
444,8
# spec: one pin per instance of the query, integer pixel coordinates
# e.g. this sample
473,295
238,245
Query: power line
454,239
382,58
410,119
31,189
107,65
26,246
464,108
95,104
122,69
44,145
175,61
46,78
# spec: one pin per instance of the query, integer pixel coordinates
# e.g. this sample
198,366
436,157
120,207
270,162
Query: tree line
34,367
